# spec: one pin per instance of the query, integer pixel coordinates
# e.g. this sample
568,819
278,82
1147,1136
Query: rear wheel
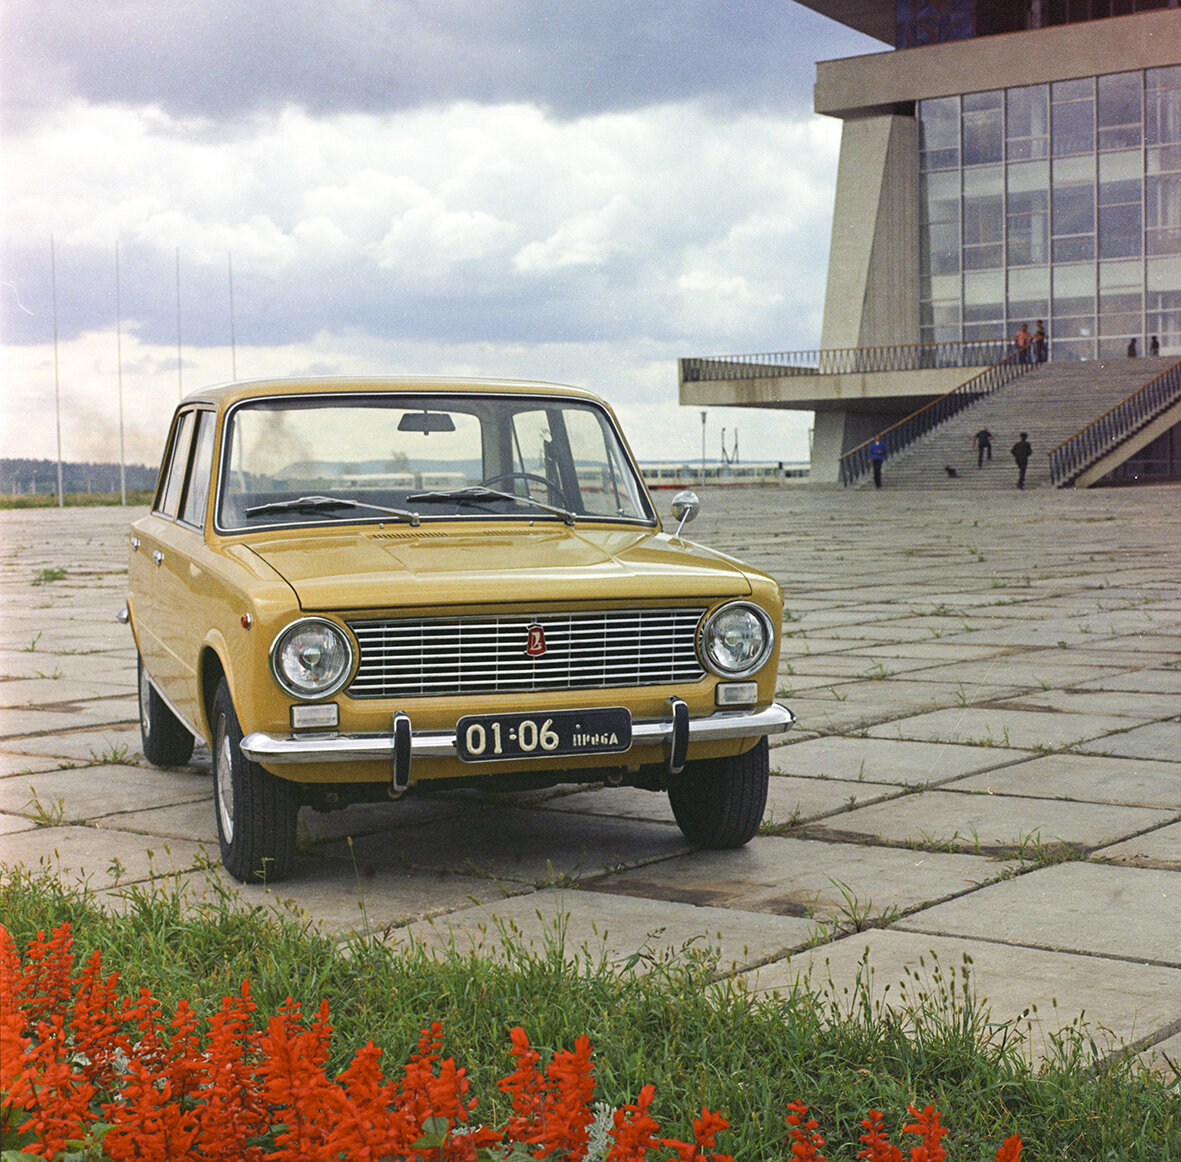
256,812
720,802
166,740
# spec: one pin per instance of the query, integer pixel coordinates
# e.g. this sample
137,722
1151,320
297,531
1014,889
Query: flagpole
179,374
119,355
233,341
57,389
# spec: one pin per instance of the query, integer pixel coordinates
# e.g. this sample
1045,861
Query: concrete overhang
859,86
875,391
876,18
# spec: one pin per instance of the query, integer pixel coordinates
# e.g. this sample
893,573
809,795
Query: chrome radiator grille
583,651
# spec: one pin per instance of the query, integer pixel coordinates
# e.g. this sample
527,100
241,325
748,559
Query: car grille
583,651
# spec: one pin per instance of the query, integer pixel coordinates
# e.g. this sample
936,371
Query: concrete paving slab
33,692
983,822
13,823
23,764
1119,1002
26,720
1164,1057
889,760
1014,669
626,932
988,726
81,746
1084,778
526,846
807,877
1147,681
835,714
1135,704
1153,643
1157,740
1160,848
1076,907
193,820
92,792
86,856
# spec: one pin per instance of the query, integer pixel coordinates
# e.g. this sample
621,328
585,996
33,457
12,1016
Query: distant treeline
31,476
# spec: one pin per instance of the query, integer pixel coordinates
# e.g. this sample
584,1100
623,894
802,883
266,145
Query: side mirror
685,508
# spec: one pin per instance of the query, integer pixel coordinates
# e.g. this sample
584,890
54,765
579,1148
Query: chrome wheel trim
223,758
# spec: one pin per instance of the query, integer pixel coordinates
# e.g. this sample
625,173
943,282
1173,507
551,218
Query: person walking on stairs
877,454
983,441
1022,450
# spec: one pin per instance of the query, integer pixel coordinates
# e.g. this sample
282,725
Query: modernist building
1007,162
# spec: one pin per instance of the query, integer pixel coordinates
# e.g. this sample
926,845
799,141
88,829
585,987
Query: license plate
481,738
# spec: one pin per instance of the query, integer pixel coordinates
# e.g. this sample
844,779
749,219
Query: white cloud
477,239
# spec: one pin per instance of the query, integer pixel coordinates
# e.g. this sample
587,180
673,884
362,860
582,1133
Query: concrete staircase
1051,403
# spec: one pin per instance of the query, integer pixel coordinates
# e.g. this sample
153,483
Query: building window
1058,201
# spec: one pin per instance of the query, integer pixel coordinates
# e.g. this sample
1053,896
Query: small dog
950,470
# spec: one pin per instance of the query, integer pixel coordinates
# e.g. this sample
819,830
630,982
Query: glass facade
1059,202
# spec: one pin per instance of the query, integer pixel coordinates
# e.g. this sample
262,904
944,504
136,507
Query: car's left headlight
312,658
737,639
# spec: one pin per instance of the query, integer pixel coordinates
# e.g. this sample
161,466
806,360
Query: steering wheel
509,477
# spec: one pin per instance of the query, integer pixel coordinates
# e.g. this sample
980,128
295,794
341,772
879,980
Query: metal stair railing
856,463
843,361
1088,445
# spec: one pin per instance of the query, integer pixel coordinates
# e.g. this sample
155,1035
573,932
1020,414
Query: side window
173,475
535,468
197,496
606,486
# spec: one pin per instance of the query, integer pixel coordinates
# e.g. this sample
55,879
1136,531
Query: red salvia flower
633,1129
927,1124
805,1141
1010,1150
878,1148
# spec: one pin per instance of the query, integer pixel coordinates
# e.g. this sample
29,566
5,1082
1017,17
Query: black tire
720,802
166,740
256,812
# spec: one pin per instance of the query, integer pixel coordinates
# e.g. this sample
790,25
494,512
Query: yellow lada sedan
352,589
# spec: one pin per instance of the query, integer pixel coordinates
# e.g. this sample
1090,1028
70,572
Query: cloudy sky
578,191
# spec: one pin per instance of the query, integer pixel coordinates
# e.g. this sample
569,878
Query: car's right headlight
312,658
737,639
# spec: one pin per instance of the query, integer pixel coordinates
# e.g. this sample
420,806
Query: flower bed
90,1073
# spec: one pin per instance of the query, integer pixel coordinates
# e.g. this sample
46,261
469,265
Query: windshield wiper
475,493
326,503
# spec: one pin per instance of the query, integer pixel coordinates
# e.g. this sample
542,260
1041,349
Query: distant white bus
668,474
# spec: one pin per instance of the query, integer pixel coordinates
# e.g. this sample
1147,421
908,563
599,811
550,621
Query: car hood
354,569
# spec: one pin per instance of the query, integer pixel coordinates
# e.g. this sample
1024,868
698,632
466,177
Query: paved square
978,683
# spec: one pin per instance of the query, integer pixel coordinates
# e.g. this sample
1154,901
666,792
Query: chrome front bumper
339,748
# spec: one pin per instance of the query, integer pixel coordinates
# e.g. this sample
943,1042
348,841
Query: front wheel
166,740
720,802
256,812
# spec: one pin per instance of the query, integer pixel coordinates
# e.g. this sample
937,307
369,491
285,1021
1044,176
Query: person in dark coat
983,441
1022,450
877,454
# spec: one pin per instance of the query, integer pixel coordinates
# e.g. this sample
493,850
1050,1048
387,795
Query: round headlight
311,658
737,639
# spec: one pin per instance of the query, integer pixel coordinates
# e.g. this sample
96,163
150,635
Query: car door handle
157,558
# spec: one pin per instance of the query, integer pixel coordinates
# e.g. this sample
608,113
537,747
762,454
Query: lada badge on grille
535,646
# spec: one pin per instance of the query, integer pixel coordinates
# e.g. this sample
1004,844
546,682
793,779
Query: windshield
300,460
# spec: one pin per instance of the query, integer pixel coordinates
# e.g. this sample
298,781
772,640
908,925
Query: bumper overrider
401,744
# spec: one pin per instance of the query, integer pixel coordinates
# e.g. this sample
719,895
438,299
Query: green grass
700,1039
135,496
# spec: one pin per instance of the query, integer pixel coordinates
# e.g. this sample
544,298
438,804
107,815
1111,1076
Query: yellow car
356,588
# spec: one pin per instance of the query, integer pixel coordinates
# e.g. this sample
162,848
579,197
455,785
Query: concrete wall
859,86
870,298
